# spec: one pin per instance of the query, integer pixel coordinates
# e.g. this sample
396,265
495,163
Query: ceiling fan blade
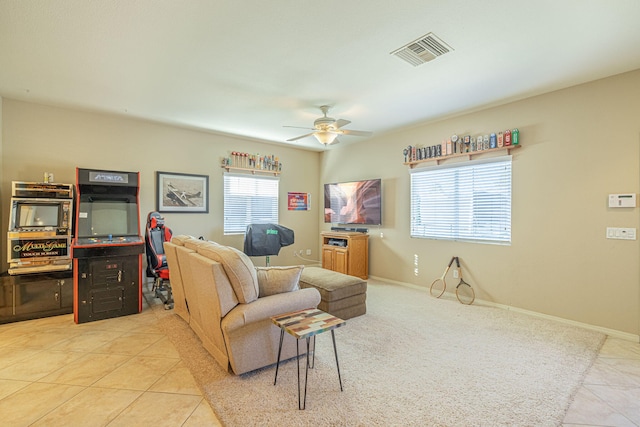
341,122
357,132
299,127
327,129
300,137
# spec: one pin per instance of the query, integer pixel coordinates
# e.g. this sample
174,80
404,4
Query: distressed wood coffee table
306,324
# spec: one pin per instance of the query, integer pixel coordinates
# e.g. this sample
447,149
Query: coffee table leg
313,361
306,377
298,363
333,337
279,353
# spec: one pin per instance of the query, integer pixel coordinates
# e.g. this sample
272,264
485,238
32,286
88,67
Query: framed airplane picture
182,193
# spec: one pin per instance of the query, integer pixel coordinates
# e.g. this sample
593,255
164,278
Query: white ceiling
251,67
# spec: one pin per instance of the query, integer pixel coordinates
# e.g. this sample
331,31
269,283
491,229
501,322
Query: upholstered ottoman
341,295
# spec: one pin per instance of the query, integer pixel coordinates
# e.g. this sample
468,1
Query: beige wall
40,138
578,145
2,203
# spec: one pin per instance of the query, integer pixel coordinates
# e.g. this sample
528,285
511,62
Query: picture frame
298,201
182,193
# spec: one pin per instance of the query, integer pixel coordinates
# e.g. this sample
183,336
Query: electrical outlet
455,273
308,251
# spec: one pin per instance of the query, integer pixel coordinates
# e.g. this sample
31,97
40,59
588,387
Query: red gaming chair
155,235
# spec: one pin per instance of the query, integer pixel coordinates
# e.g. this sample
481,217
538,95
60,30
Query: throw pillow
277,280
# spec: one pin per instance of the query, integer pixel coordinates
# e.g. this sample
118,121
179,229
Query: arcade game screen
115,217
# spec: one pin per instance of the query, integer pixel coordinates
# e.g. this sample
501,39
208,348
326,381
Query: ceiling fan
326,129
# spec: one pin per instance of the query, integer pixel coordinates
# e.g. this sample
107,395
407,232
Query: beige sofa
229,303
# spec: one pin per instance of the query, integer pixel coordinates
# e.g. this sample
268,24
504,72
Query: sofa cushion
179,239
276,280
238,267
194,243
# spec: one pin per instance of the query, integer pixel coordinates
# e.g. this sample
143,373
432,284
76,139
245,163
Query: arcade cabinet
108,247
38,283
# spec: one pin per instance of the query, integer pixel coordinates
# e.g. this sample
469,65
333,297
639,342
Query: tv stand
346,252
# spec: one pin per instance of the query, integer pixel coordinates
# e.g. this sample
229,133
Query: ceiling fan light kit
326,129
325,137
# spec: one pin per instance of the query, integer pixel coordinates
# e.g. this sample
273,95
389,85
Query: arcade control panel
109,240
89,247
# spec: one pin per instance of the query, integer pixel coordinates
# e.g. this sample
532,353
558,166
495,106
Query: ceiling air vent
424,49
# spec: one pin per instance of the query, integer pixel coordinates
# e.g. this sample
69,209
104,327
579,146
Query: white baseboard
610,332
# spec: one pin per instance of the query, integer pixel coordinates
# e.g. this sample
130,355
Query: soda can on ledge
492,140
507,138
515,136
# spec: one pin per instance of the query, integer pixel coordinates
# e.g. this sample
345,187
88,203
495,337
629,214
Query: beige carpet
411,360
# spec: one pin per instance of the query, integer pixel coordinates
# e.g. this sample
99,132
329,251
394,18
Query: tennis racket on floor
438,286
464,291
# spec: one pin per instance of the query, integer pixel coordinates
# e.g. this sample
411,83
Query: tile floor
115,372
124,372
610,395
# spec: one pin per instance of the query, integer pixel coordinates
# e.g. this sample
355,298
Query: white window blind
469,202
249,200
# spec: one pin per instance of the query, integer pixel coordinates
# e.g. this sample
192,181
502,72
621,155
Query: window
468,202
249,200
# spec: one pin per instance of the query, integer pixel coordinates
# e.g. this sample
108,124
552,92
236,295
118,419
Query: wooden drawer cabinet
35,295
346,252
335,259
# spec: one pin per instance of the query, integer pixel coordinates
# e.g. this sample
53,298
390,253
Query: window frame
249,203
470,201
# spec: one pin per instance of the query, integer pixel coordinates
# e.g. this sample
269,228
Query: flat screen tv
357,202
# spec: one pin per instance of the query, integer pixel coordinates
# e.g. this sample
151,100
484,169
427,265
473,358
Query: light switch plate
622,200
621,233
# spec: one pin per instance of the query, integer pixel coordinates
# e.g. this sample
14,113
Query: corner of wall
2,180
